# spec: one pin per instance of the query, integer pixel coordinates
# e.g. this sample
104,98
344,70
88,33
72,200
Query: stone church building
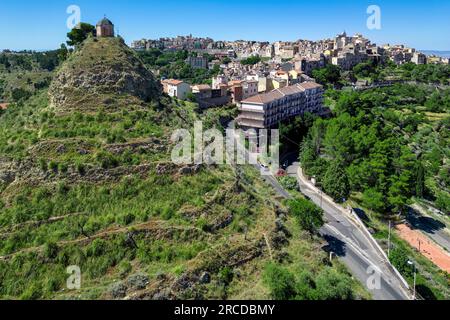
105,28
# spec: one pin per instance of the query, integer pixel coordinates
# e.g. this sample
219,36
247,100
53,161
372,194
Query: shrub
226,275
43,165
289,183
81,169
118,290
63,167
51,250
53,166
333,286
137,281
399,258
308,215
280,281
124,268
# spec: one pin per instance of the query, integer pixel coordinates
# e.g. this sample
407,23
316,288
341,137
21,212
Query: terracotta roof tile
280,93
174,82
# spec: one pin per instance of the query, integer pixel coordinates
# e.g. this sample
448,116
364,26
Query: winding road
346,240
353,248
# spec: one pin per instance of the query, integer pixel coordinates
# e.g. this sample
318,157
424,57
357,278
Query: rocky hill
103,72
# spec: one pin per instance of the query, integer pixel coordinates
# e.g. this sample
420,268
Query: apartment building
268,109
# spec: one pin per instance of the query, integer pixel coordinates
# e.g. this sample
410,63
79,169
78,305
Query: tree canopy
80,33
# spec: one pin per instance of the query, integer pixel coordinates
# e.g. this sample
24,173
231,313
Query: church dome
104,22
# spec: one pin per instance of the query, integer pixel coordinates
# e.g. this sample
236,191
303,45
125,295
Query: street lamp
414,290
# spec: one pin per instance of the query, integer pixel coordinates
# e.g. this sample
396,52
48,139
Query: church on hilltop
105,28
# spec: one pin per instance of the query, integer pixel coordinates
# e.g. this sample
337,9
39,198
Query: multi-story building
198,62
268,109
419,58
307,65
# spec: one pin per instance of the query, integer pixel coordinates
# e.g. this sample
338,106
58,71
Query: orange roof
235,82
4,106
174,82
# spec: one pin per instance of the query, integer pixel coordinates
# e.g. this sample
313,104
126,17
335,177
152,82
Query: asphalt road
353,247
347,242
432,228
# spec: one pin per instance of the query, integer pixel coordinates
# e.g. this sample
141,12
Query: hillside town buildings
268,109
280,84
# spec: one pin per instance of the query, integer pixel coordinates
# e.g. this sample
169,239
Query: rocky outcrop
102,73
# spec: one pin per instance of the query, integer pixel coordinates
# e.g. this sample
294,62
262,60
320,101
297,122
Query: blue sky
30,24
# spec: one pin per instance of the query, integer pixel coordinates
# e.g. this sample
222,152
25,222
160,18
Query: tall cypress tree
420,179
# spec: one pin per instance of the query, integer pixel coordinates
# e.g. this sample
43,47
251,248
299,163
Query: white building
419,58
178,89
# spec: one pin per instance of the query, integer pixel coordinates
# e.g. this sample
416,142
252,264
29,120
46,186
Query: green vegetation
428,73
326,285
289,183
251,60
328,76
308,215
92,185
385,149
80,33
382,142
172,65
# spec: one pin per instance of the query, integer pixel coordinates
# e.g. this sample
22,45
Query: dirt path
425,246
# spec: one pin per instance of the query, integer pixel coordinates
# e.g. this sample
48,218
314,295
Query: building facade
105,28
177,89
198,62
268,109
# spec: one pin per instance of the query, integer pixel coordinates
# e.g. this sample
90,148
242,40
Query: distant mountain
444,54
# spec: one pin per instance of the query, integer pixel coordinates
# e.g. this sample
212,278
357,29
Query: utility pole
389,240
415,277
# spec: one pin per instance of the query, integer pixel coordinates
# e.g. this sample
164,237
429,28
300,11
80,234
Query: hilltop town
242,69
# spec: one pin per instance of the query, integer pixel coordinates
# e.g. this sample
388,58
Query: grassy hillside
94,187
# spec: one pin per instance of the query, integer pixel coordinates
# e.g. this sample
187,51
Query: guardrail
359,223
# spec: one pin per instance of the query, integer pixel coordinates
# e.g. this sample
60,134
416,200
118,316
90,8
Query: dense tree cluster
80,33
376,147
251,60
173,65
427,73
31,61
326,285
328,76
